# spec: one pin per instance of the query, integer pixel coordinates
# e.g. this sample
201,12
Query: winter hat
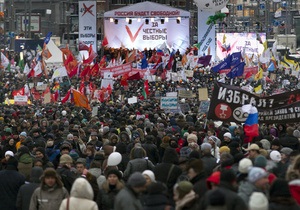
260,161
216,198
74,155
213,178
227,134
70,136
115,172
65,145
184,187
8,130
286,150
192,137
276,142
296,133
256,173
105,130
265,144
49,172
81,160
258,201
253,147
94,134
36,173
10,153
205,146
150,174
275,156
12,162
280,188
244,165
224,149
23,134
41,150
136,180
156,188
64,159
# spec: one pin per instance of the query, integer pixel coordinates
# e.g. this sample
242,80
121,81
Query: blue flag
271,67
226,64
144,62
48,37
236,71
236,58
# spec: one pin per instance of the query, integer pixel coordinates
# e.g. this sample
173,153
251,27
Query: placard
168,102
171,94
185,108
41,87
20,100
189,73
95,111
204,107
108,75
132,100
203,94
186,94
47,98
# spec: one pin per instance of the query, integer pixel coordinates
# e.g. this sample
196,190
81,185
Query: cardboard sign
132,100
95,111
186,94
47,98
41,87
203,94
189,73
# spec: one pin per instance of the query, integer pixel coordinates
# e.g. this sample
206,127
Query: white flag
26,69
60,72
277,14
38,69
4,60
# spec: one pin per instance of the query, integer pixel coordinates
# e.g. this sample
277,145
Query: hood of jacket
82,189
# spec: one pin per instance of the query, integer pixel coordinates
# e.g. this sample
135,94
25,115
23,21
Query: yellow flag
224,39
258,89
265,44
259,75
289,61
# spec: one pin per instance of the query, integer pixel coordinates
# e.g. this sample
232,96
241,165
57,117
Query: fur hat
192,137
265,144
258,201
115,172
136,180
224,149
286,150
64,159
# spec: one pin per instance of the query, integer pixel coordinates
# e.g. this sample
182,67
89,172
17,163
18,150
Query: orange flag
81,100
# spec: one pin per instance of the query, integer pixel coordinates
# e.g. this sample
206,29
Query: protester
50,194
81,197
26,190
10,182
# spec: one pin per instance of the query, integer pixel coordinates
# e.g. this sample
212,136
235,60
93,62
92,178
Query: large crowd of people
138,156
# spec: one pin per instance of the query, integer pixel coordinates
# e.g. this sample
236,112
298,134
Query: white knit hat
227,134
275,156
258,201
244,165
150,174
10,153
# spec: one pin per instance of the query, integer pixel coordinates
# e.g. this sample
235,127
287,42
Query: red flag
136,76
109,89
92,89
73,72
102,63
66,98
124,79
36,95
83,46
86,71
82,86
159,60
20,92
248,75
105,41
31,73
146,87
92,56
95,70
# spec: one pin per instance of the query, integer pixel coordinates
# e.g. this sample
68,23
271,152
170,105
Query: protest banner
20,100
227,101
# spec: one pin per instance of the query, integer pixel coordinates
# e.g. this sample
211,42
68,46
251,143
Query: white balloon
211,5
64,112
114,159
